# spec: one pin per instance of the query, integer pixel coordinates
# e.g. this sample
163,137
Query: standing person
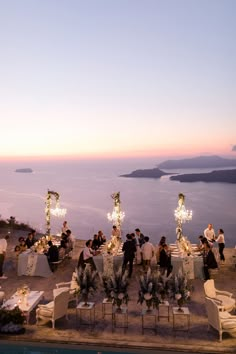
115,231
221,243
3,250
64,227
53,255
165,259
140,236
209,261
209,233
129,249
148,251
89,253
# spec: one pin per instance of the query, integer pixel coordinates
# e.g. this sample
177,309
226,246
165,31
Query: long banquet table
99,262
33,264
192,265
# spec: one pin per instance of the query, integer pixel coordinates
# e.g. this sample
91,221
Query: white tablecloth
99,262
33,264
192,266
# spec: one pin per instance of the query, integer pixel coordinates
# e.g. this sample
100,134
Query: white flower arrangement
179,289
116,287
23,291
149,289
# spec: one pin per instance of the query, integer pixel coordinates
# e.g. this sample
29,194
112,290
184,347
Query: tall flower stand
120,318
164,310
86,313
181,319
107,306
148,316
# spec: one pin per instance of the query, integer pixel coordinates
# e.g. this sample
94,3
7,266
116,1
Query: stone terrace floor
197,340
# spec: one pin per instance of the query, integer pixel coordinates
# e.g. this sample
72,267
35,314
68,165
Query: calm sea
85,189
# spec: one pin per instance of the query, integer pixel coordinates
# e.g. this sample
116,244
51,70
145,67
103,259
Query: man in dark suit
129,250
209,260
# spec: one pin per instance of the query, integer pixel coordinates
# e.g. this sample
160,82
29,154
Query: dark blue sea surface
85,188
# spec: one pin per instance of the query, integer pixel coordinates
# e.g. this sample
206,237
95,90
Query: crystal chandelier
58,212
181,215
116,216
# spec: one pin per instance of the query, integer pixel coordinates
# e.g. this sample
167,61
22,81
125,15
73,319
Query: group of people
24,244
58,253
98,240
54,253
207,247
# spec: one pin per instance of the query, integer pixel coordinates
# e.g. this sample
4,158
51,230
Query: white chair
73,287
56,308
219,319
224,297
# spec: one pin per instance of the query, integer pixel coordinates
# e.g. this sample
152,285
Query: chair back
61,300
74,284
209,287
213,314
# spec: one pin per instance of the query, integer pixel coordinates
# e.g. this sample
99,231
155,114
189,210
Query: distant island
24,170
198,162
226,176
147,173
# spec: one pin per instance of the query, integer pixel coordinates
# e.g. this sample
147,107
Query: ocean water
85,188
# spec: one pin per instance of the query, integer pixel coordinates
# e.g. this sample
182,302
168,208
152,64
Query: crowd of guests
139,247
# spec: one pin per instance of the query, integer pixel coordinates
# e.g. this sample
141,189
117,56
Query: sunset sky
97,78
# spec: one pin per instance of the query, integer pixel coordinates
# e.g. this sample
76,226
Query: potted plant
116,288
11,321
179,289
88,281
149,290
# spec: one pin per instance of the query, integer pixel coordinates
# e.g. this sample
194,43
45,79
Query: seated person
95,244
65,238
62,250
30,240
21,247
70,240
52,254
17,250
22,244
101,237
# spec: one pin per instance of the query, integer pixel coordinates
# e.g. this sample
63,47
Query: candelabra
57,211
181,215
116,216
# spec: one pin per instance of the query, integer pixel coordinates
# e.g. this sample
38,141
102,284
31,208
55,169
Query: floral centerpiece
11,321
185,245
116,288
149,290
179,289
23,291
88,281
40,246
